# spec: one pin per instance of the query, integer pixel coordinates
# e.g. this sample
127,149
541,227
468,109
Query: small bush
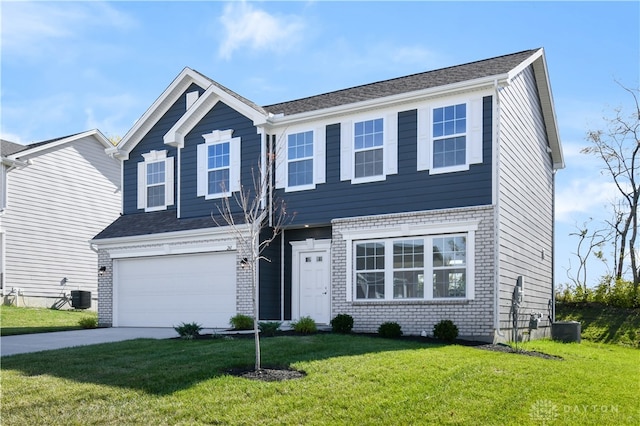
304,325
342,323
445,330
188,330
88,322
269,328
390,330
241,322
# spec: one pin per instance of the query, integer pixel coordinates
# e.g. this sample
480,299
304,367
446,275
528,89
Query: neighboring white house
55,196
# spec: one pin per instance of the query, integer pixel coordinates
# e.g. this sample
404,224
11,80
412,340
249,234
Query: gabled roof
26,150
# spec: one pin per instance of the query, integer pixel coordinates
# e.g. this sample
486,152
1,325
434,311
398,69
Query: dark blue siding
152,140
409,190
221,117
270,295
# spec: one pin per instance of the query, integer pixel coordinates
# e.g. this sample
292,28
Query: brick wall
474,318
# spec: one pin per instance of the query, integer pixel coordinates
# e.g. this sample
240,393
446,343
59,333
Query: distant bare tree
618,147
589,243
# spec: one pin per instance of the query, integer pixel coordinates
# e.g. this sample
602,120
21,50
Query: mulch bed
268,374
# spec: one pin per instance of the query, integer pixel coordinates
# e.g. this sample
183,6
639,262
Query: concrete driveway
25,343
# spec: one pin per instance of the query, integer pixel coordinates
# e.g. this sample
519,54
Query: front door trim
298,248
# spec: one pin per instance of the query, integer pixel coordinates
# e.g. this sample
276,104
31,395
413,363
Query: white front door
312,280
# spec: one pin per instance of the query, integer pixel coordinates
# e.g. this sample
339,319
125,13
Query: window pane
408,284
370,285
408,254
449,120
218,155
449,283
369,163
155,196
300,145
300,172
449,152
218,181
155,173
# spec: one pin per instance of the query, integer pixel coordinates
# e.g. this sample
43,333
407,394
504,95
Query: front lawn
350,380
15,320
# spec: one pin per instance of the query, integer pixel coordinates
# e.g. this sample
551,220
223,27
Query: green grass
350,380
15,320
603,324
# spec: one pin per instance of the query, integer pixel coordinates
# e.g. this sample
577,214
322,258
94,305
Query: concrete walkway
26,343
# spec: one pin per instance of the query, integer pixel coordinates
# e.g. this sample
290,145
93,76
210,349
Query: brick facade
474,318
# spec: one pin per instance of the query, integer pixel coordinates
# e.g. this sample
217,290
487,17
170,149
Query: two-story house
55,195
416,199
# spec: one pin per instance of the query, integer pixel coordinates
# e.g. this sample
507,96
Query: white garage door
164,291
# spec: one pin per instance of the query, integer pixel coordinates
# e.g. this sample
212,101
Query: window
218,168
300,159
155,184
155,181
395,269
449,266
218,171
408,269
370,271
368,148
449,135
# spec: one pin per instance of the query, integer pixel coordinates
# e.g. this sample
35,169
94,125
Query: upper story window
300,159
368,141
369,148
449,135
218,168
155,181
218,165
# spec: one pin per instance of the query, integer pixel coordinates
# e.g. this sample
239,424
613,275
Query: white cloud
584,197
29,28
255,29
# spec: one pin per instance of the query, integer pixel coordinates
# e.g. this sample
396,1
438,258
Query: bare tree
256,222
589,243
619,147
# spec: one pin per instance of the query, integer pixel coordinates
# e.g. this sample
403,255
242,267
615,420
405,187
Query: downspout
282,275
177,171
496,220
553,246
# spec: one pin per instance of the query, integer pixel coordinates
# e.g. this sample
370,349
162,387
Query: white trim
405,230
214,138
176,237
297,249
97,134
173,248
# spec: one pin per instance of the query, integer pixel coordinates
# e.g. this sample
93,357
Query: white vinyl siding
54,207
525,198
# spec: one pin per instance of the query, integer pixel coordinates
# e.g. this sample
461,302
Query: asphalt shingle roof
8,148
410,83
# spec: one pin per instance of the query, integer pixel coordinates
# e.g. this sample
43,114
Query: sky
67,67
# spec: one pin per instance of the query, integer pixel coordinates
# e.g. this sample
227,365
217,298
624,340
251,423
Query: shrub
445,330
188,330
269,328
241,322
342,323
390,330
305,325
88,322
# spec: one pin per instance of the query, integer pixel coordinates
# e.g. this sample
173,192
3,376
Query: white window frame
319,158
389,146
425,232
214,138
473,134
149,158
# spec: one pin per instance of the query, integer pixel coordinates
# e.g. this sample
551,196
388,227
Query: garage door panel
164,291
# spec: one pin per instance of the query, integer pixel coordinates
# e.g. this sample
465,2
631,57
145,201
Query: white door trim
298,248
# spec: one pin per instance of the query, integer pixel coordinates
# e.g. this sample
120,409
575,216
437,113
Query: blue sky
67,67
